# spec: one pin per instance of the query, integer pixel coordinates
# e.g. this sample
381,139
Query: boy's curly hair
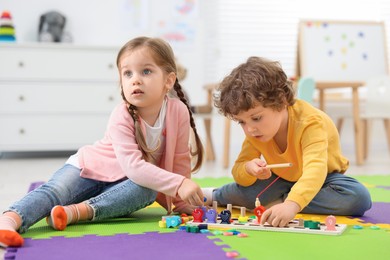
258,81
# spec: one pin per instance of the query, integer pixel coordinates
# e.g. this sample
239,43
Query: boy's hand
256,168
191,193
280,215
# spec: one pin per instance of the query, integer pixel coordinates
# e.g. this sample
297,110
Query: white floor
18,171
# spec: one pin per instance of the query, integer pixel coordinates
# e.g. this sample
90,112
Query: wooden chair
210,152
226,136
377,106
205,112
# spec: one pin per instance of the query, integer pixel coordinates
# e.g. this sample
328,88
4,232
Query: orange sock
9,223
10,238
58,218
61,216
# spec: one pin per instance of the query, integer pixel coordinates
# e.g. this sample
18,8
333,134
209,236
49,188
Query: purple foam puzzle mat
151,245
379,213
354,243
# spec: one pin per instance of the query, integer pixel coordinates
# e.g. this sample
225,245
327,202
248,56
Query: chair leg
226,147
365,135
210,154
339,124
386,122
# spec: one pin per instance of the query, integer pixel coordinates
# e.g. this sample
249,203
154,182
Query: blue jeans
108,199
340,195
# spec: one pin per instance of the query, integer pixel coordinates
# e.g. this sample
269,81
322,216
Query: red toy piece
259,210
198,215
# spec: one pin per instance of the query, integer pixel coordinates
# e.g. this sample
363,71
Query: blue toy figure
225,216
173,221
211,216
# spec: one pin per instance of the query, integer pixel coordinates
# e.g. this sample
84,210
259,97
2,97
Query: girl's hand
191,193
256,168
280,215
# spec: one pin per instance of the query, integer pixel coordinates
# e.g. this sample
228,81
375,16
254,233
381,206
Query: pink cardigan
117,156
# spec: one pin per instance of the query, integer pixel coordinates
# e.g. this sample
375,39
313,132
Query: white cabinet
55,96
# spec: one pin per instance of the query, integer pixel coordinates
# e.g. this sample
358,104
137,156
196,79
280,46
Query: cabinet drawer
58,98
40,133
57,61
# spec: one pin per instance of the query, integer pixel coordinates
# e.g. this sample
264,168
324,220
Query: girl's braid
182,97
199,152
138,132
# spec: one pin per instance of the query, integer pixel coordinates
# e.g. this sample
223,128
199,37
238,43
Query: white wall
222,33
114,22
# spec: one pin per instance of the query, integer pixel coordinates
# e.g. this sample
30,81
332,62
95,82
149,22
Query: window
237,29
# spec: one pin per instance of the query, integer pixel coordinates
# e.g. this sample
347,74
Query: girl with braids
143,157
282,129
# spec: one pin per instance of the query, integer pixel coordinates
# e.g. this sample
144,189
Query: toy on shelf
7,30
52,28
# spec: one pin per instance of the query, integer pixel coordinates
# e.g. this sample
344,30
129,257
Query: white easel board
342,51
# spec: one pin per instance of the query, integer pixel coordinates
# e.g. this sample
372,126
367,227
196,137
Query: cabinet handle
21,98
22,131
21,64
110,98
110,66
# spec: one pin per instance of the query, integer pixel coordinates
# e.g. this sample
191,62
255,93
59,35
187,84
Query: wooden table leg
226,144
210,155
386,122
321,99
357,127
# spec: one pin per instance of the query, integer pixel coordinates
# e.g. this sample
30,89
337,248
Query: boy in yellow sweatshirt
282,129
